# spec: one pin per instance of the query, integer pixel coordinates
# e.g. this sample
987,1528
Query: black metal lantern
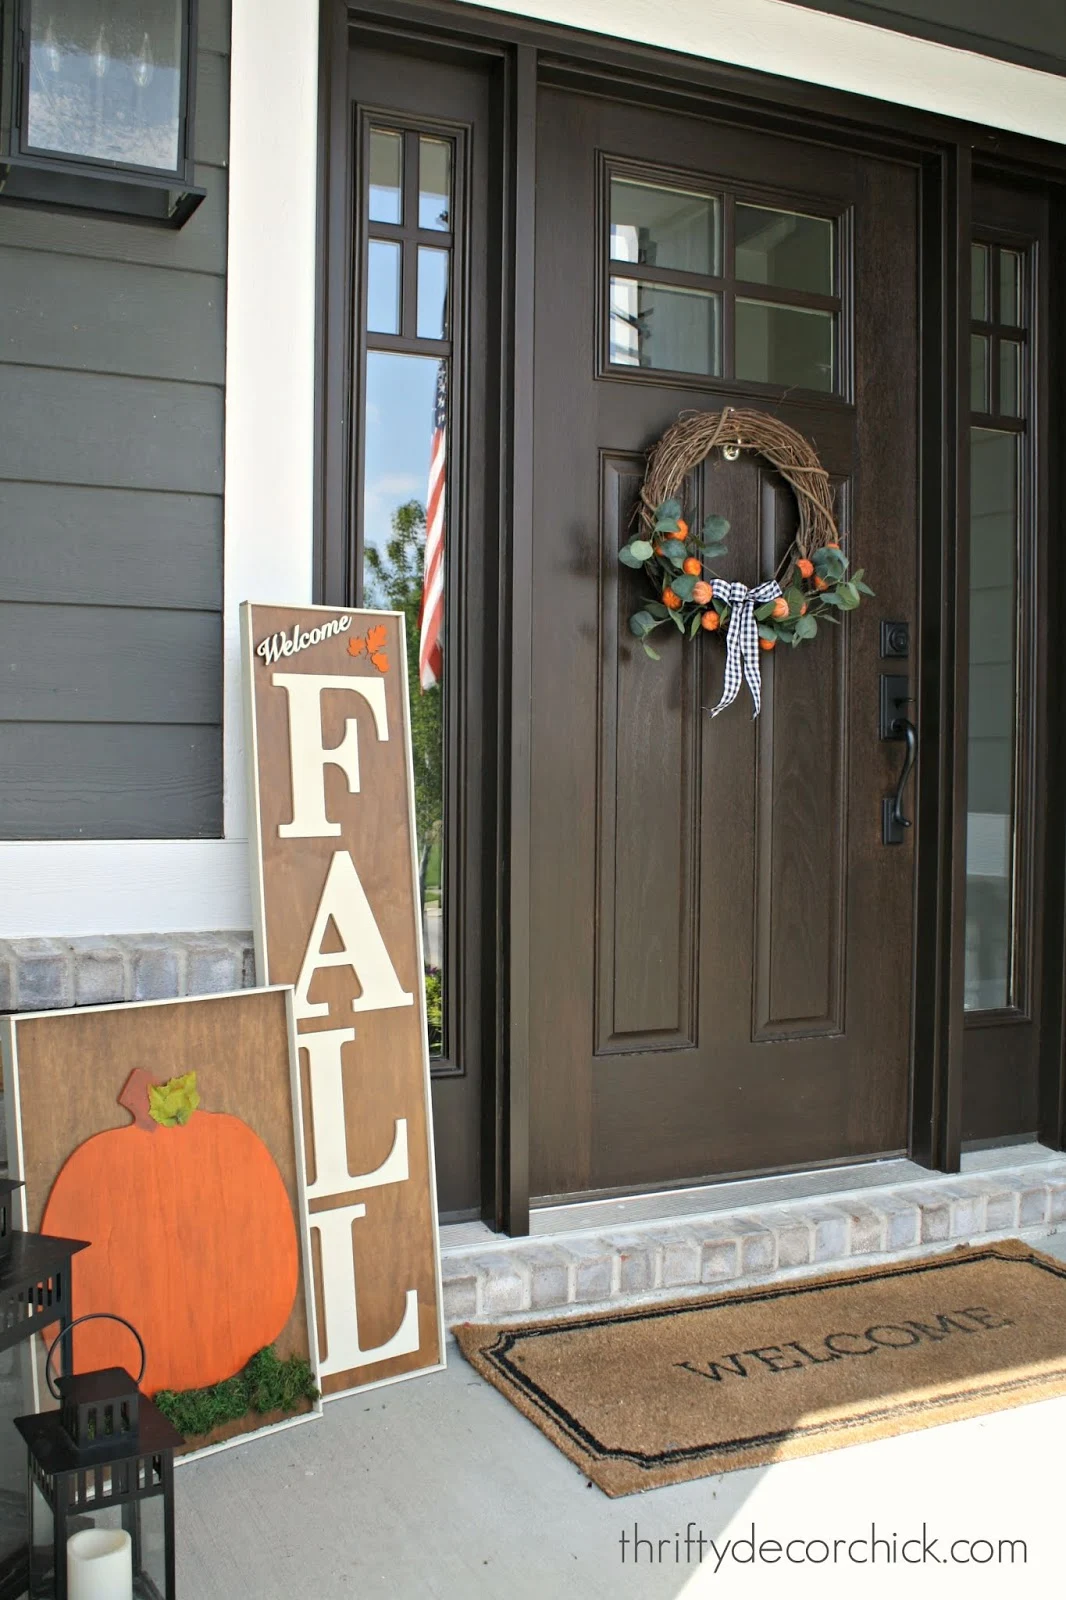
35,1272
97,106
101,1463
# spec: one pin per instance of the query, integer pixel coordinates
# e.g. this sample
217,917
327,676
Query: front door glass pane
657,227
104,80
994,514
403,503
784,345
784,249
979,282
1010,288
673,330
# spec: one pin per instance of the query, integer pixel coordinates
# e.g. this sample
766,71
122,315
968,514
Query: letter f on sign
309,758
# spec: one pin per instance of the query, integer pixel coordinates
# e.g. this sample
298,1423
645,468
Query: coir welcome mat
641,1398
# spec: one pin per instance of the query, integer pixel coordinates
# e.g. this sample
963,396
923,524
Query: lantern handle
91,1316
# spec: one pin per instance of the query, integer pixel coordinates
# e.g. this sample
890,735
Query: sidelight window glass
996,834
406,448
991,748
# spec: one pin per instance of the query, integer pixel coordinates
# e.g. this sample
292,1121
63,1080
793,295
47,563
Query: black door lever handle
893,820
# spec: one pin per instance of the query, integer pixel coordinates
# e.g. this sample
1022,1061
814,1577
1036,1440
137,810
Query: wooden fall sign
336,912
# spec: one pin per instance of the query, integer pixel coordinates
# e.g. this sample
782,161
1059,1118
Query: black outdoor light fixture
97,103
98,1468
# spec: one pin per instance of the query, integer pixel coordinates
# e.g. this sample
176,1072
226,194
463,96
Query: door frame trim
945,153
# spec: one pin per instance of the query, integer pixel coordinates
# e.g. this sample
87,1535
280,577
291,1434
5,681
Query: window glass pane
386,175
432,294
675,330
383,286
1010,378
404,489
979,282
1010,288
104,79
434,183
664,228
993,676
979,347
784,345
784,249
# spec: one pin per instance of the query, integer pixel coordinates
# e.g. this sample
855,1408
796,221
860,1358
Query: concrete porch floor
438,1488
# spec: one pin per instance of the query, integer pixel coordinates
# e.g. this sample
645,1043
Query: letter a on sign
337,916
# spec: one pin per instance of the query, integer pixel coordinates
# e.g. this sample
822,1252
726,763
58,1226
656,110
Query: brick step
638,1262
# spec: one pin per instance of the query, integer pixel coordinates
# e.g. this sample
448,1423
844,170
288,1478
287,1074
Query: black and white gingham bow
742,639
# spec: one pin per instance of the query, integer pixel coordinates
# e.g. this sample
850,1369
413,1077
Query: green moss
265,1385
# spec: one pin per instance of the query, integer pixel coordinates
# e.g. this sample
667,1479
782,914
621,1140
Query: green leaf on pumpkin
684,585
762,612
172,1104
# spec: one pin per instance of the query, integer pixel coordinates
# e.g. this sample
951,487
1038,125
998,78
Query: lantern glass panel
104,80
143,1520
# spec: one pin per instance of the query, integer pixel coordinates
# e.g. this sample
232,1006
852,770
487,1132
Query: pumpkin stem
135,1098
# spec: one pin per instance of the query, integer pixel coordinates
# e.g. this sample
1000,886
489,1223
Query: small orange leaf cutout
356,647
376,637
380,660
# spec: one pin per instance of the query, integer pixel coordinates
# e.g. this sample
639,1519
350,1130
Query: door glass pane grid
409,211
1000,333
998,500
701,284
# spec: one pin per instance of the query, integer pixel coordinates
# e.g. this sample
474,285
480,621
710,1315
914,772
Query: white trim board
859,57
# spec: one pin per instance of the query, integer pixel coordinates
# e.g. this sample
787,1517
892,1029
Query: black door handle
893,821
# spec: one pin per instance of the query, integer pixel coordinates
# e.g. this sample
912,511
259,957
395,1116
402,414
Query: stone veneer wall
46,974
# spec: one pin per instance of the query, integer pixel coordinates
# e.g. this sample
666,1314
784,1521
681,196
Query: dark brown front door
721,944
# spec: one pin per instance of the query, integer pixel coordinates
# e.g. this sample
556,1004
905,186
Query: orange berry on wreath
701,594
805,568
682,529
692,565
780,607
767,644
711,621
820,583
671,600
832,544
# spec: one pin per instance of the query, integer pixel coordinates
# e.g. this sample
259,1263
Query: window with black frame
716,284
409,311
1000,388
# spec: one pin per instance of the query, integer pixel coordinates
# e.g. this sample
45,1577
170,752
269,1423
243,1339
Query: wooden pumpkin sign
170,1131
181,1201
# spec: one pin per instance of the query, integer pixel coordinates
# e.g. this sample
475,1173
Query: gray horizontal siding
103,316
102,781
200,246
76,427
118,547
107,664
112,371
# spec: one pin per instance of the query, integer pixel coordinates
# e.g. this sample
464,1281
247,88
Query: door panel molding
648,785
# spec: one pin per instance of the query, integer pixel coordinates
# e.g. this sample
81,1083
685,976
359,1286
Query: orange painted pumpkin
192,1238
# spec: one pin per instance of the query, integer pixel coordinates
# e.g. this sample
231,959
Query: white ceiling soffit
795,42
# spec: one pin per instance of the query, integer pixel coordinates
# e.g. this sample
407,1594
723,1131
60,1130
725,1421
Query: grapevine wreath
811,583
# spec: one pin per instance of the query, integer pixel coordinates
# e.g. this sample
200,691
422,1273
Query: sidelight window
708,284
409,317
999,520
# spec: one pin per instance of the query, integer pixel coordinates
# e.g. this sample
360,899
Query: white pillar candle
100,1565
